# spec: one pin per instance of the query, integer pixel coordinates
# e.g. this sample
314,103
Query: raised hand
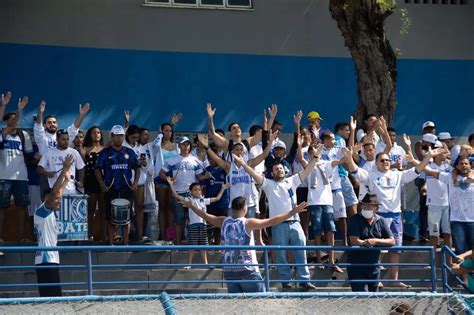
437,151
126,116
407,140
171,181
300,140
42,107
318,150
382,122
358,147
273,110
204,139
6,98
297,117
238,160
352,124
68,161
84,109
265,120
210,111
22,102
176,118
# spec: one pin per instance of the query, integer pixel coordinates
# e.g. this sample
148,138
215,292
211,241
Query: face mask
368,214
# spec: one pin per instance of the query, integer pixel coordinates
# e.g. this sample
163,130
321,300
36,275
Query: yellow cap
314,115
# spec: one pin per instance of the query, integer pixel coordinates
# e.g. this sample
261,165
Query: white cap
438,144
360,134
117,130
427,124
444,136
429,137
184,139
279,144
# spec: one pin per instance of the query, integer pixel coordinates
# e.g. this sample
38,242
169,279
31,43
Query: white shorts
338,205
438,220
35,199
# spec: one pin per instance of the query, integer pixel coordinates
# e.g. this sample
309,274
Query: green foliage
387,5
406,21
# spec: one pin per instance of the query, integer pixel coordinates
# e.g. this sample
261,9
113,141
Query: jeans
463,236
290,233
244,287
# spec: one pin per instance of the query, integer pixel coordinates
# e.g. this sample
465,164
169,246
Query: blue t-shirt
117,166
359,226
213,186
33,176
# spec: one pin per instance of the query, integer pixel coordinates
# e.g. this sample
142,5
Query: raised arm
385,136
407,141
273,112
225,165
310,167
216,221
218,139
83,110
258,224
221,192
261,157
22,102
423,165
240,161
61,182
5,100
171,181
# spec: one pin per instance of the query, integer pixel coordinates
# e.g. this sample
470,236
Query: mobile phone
143,156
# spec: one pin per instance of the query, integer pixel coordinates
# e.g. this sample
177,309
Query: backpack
21,135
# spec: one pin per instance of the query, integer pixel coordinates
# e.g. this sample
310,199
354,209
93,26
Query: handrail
89,266
446,271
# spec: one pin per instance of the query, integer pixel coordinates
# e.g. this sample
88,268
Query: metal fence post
443,269
90,289
267,270
433,268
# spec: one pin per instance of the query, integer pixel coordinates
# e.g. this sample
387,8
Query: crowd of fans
350,180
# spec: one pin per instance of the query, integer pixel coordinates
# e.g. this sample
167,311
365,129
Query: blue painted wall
153,85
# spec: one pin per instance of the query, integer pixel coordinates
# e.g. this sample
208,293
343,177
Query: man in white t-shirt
47,233
51,163
437,200
450,142
14,144
45,132
386,184
281,195
461,200
184,169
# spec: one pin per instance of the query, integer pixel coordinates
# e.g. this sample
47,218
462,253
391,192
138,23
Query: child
238,230
197,232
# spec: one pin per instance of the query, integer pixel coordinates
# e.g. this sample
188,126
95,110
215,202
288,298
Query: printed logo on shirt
385,182
119,166
240,180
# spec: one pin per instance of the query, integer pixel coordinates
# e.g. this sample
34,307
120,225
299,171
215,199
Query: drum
120,210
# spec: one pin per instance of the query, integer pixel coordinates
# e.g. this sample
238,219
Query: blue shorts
348,192
394,220
19,189
322,219
180,212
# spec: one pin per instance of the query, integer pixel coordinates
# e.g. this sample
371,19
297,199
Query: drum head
120,202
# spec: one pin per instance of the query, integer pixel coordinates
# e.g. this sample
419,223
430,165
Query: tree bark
362,24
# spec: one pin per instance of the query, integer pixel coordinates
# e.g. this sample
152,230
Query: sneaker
286,286
307,287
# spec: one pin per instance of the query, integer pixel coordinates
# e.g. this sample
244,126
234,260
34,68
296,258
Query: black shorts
301,194
111,195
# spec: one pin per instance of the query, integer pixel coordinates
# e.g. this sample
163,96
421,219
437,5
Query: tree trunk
362,24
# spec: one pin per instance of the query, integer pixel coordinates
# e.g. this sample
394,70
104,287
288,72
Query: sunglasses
61,132
384,160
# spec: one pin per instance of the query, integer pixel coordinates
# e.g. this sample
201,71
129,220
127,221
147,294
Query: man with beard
45,135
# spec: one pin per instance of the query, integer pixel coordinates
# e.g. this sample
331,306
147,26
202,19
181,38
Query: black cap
370,199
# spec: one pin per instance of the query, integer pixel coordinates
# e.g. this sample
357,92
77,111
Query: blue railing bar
90,289
446,268
41,284
444,274
433,270
43,267
277,295
206,247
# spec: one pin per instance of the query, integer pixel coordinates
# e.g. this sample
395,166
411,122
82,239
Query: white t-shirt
184,171
52,161
298,167
281,195
436,190
12,161
461,198
201,203
386,185
255,151
319,189
333,154
397,153
46,232
364,188
139,149
240,184
45,140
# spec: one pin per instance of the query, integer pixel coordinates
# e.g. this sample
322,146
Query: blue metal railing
446,272
90,267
